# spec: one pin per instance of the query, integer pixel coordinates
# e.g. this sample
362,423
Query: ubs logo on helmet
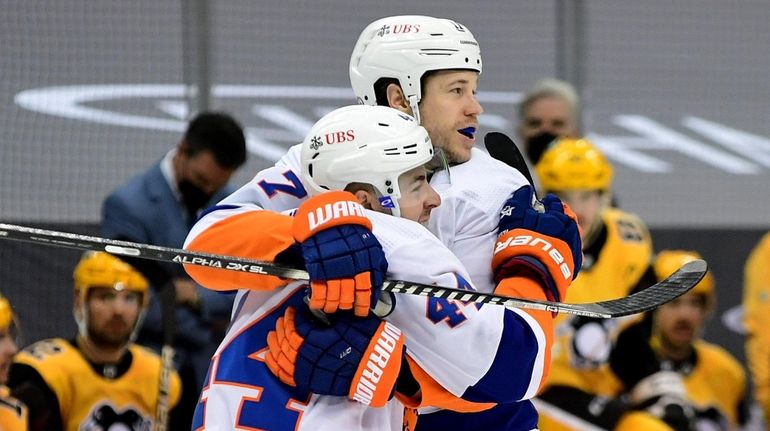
398,29
406,28
339,137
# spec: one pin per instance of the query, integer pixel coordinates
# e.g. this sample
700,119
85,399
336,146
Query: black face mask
194,198
536,145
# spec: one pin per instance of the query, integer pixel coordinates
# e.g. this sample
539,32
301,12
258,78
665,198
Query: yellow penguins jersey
88,400
717,380
13,413
581,353
756,314
623,259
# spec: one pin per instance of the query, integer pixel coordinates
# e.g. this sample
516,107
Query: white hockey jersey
484,355
472,195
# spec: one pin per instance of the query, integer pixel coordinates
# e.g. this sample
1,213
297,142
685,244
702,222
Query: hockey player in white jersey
376,153
449,109
429,68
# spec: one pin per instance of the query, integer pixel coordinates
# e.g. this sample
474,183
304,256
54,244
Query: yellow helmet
574,164
6,313
99,269
668,261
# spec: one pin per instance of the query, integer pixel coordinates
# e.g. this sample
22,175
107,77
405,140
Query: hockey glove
355,357
545,245
663,395
345,261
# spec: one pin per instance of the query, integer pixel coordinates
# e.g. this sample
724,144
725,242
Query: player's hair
551,87
219,133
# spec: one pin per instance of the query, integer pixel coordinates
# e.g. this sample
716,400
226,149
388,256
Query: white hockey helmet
364,144
404,48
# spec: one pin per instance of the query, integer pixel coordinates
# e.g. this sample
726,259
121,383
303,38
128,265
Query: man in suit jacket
158,207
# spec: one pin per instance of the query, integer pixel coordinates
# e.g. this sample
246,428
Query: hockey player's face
417,196
587,205
112,315
8,348
449,112
679,321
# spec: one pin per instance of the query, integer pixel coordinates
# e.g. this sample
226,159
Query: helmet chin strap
439,161
414,103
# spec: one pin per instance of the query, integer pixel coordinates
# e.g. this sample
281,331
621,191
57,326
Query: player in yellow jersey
617,251
756,308
99,379
664,363
13,413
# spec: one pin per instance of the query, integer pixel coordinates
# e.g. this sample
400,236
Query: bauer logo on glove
538,242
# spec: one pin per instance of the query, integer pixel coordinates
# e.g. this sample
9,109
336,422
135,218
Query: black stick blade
502,148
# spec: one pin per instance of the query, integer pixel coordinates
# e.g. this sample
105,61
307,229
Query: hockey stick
684,279
502,148
167,296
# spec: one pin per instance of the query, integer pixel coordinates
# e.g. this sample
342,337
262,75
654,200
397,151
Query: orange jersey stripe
257,235
434,395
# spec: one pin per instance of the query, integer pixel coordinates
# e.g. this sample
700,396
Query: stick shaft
670,288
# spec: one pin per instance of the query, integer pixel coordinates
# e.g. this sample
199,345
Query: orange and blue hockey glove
351,356
542,245
345,261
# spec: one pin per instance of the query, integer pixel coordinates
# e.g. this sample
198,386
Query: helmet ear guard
405,48
364,144
574,164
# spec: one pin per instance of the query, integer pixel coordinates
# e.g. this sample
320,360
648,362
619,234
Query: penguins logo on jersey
104,418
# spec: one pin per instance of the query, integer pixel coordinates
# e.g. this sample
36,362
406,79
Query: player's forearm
246,232
494,356
430,393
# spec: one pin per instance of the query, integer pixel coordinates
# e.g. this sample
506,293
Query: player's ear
396,98
364,198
